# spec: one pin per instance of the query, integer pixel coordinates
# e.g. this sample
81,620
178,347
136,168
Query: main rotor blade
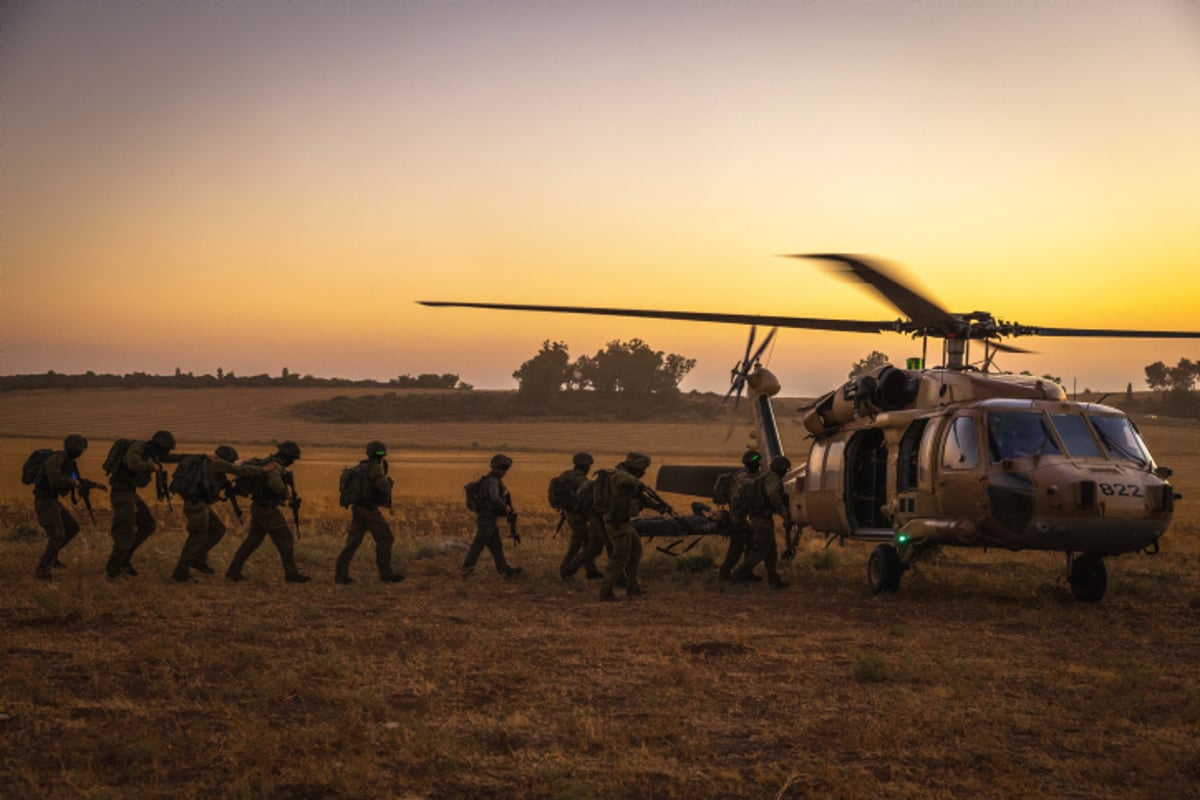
1115,334
905,299
749,345
846,325
1007,348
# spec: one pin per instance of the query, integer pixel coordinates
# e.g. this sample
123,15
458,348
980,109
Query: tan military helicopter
957,455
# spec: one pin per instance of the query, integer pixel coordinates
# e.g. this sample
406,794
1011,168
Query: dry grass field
981,678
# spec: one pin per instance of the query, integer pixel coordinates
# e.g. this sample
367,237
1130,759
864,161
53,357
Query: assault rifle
562,518
85,492
229,494
161,486
656,502
511,516
294,502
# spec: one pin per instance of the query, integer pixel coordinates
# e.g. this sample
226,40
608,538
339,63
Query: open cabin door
866,490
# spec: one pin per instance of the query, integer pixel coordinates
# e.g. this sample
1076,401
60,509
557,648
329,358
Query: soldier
132,522
492,502
59,476
564,495
207,486
761,500
597,536
372,489
624,497
739,533
270,491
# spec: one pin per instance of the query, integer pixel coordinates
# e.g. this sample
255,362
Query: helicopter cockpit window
1017,434
1076,436
961,450
1121,439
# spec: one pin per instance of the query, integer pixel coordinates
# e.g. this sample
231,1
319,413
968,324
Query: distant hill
498,406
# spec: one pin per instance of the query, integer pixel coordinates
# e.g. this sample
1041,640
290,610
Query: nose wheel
884,569
1088,577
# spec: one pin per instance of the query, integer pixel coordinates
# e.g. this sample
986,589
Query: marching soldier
491,503
209,485
564,495
740,534
271,490
762,500
57,477
597,536
624,497
370,488
132,522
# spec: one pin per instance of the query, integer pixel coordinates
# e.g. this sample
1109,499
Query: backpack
584,496
116,456
561,492
352,485
34,466
246,485
721,489
190,480
746,493
474,490
600,491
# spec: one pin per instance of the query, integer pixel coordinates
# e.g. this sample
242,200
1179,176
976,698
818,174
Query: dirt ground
980,678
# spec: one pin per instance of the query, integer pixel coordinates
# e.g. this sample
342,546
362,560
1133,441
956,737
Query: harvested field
981,678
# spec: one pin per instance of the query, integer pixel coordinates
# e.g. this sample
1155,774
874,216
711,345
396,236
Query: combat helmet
163,440
582,460
637,463
376,449
227,453
289,450
752,459
780,465
75,444
500,461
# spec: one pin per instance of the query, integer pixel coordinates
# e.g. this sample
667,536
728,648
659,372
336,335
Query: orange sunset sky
259,185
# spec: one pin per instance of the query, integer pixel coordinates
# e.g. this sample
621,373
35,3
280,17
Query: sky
256,185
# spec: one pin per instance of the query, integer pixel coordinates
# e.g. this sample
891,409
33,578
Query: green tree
1182,377
632,367
543,376
869,364
1156,377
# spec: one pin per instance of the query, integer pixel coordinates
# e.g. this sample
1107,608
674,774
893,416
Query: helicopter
915,459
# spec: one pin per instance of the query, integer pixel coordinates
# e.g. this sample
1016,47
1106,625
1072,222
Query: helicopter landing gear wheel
1088,578
884,569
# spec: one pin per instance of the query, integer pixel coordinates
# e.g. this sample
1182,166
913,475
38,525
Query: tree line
631,369
187,380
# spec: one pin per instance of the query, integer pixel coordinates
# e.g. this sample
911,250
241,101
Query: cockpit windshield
1121,439
1016,434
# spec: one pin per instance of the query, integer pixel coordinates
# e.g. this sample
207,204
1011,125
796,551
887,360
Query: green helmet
289,450
75,442
163,440
376,449
227,453
500,461
637,460
583,460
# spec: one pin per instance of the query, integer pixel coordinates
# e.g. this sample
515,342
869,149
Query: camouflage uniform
765,501
625,495
597,536
494,502
740,533
132,522
204,528
578,522
270,492
59,477
365,516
